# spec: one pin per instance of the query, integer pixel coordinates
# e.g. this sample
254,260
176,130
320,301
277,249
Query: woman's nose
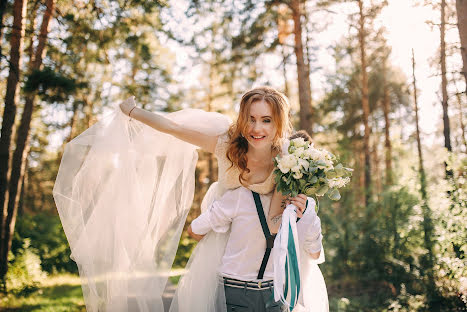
256,126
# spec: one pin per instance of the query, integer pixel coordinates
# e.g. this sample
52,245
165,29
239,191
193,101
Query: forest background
380,83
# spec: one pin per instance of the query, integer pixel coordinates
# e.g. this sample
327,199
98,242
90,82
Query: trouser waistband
231,282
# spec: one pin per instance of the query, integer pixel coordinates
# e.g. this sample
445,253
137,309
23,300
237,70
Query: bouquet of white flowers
310,171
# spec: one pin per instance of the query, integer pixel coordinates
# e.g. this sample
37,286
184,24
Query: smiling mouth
258,137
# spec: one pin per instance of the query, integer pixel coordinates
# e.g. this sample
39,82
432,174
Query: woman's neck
259,155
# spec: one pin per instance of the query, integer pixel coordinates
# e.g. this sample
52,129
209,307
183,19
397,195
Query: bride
123,193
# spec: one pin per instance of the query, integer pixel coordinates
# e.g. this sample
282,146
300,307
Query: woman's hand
127,105
197,237
300,202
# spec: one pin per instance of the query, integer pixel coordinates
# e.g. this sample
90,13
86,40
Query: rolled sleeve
201,224
219,215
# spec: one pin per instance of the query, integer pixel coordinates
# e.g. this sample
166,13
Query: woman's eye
267,120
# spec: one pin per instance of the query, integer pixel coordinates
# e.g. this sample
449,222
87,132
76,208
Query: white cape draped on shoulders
123,192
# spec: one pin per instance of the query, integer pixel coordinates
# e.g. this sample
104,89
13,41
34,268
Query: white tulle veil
123,192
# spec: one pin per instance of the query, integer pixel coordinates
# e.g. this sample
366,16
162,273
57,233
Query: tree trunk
387,139
9,112
303,72
427,221
461,8
375,159
24,184
22,143
308,40
284,31
447,131
365,104
209,108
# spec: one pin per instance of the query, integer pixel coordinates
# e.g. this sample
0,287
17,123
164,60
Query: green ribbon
293,271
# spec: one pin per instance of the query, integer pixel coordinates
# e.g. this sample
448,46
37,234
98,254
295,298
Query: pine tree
9,114
22,144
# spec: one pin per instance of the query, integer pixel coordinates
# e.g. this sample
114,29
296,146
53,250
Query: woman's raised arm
163,124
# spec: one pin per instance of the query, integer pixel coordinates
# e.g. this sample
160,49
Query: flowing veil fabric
123,192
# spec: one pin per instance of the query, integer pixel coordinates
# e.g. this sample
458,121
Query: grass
57,293
60,293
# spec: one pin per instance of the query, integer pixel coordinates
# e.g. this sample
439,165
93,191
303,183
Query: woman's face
261,127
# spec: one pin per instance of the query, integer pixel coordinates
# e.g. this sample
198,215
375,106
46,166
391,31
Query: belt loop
244,288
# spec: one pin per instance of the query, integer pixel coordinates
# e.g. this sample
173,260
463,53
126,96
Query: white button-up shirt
246,245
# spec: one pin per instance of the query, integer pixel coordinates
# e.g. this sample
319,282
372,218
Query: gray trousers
249,300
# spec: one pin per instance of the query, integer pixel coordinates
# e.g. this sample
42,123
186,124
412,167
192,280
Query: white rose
298,142
289,161
299,152
307,153
322,155
315,154
282,168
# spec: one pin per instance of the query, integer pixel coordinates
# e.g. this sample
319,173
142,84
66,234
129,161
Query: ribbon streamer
286,255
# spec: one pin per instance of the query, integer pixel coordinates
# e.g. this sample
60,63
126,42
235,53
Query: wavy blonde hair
238,145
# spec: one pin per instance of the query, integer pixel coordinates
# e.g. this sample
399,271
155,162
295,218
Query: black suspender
269,238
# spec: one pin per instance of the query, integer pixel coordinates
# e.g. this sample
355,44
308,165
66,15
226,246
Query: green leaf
310,191
331,174
334,194
277,178
312,169
339,170
313,179
302,183
321,163
322,190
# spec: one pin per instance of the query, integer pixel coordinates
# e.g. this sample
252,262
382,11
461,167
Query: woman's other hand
197,237
300,202
127,105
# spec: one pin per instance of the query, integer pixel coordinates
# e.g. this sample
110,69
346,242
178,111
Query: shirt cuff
201,225
313,246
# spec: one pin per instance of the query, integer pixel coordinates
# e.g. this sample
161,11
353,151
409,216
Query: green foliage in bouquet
310,171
